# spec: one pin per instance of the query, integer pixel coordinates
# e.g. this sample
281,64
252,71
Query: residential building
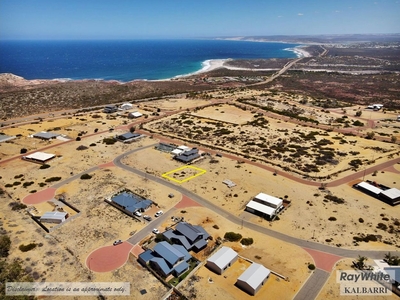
253,278
221,260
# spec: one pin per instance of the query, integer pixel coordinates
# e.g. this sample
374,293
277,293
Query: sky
153,19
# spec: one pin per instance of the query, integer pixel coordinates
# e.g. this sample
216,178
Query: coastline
207,66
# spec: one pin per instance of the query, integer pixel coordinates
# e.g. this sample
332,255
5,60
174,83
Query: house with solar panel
191,237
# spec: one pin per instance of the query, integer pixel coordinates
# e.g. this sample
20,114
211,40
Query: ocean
127,60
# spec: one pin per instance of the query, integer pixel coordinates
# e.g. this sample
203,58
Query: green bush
311,267
26,248
232,236
52,179
5,244
109,141
86,176
17,206
247,241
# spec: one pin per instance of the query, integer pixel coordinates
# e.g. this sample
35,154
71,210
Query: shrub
215,226
361,220
247,241
332,219
81,147
17,206
109,141
5,244
44,166
78,139
311,267
52,179
382,226
86,176
92,145
26,248
23,151
232,236
28,183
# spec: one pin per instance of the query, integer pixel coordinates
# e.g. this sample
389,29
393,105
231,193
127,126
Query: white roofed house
265,205
135,114
39,157
222,260
54,217
126,106
253,278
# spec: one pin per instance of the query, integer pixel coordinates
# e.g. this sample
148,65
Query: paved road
239,221
311,288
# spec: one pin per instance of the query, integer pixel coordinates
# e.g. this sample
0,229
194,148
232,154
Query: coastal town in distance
252,179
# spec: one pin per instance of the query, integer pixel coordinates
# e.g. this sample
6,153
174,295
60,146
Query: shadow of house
130,203
191,237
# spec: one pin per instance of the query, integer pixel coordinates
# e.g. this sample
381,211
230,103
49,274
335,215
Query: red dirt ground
108,258
107,165
41,196
186,202
136,250
323,260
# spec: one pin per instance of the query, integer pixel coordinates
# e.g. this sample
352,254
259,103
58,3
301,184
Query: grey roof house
188,156
192,237
131,203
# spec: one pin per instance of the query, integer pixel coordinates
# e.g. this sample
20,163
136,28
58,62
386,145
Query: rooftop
254,275
131,202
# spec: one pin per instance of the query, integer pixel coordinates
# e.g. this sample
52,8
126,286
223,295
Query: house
391,196
180,150
169,259
134,115
130,203
221,260
383,267
45,135
191,237
126,106
265,205
145,257
54,217
188,156
39,157
368,188
110,109
4,138
164,147
253,278
375,106
128,137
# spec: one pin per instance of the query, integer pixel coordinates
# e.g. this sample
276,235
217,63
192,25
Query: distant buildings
383,193
134,115
128,137
45,135
126,106
110,109
39,157
265,205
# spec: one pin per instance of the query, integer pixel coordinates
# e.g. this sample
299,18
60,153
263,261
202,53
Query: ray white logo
365,283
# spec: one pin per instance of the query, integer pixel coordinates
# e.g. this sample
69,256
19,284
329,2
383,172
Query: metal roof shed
221,260
254,206
269,200
39,157
253,278
369,188
54,217
45,135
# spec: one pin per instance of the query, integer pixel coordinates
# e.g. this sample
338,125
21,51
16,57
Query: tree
358,113
361,261
132,129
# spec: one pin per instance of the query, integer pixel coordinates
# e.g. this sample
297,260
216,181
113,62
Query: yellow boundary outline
165,175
